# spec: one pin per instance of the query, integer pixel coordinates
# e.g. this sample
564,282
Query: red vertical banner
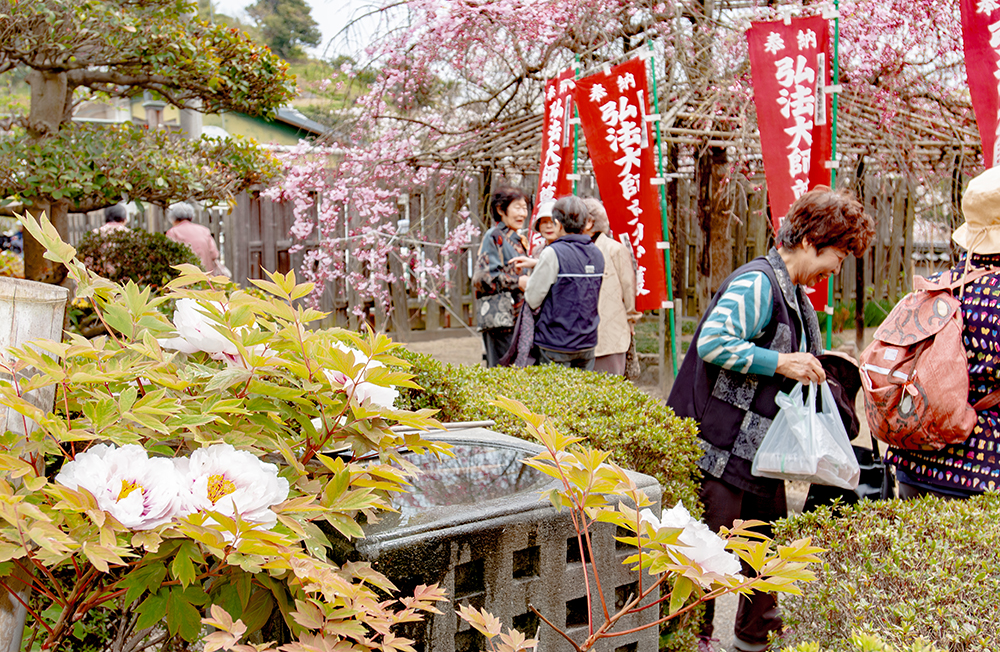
613,109
790,64
981,34
557,151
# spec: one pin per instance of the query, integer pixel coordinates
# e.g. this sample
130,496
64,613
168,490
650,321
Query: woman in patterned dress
496,269
972,467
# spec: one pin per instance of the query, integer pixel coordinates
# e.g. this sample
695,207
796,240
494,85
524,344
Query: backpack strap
964,278
988,401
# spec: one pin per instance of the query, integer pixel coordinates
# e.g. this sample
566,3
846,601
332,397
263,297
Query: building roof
292,116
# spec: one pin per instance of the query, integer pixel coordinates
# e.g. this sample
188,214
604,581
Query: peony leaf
682,589
182,617
227,378
258,610
144,579
182,568
151,610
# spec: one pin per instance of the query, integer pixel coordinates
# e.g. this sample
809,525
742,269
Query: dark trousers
573,359
912,492
496,341
758,615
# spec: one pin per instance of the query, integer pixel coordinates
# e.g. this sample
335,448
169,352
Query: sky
332,16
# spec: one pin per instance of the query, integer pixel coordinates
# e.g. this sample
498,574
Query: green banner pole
663,217
833,156
576,132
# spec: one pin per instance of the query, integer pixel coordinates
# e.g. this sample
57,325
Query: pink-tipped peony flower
697,542
225,480
142,492
361,388
195,332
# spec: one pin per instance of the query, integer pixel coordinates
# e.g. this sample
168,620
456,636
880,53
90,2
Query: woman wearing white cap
972,467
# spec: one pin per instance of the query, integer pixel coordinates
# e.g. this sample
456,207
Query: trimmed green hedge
610,413
903,571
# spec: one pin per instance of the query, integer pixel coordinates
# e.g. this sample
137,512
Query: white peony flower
698,542
195,332
225,480
362,389
142,492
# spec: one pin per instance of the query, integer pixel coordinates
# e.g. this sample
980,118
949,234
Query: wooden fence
886,271
706,247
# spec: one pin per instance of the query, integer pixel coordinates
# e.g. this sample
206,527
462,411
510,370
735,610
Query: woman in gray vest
497,276
760,336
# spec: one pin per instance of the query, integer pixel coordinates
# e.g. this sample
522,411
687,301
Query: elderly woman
496,280
760,336
616,305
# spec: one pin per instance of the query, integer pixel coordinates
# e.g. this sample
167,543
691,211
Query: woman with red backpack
971,467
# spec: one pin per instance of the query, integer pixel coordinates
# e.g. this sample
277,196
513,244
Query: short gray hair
596,212
181,211
571,212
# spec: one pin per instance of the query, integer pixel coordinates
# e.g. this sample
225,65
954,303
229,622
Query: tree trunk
49,104
715,261
50,108
36,266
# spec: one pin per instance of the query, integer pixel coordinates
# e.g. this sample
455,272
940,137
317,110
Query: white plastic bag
803,444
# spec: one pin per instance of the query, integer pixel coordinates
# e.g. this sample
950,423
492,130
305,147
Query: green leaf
682,589
152,610
227,378
183,566
147,577
182,617
258,611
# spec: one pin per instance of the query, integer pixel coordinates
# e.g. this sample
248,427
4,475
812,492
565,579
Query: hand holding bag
807,444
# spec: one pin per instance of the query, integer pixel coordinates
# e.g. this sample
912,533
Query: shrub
440,387
901,570
11,264
134,255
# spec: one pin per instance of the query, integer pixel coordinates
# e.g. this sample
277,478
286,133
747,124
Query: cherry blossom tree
451,77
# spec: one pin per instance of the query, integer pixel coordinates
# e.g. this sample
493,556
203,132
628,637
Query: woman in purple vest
760,336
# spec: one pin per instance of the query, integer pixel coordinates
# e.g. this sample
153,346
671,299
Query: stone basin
479,525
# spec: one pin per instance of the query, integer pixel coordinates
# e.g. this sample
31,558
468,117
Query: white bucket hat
981,206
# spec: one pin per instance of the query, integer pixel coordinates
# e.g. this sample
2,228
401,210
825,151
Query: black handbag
496,311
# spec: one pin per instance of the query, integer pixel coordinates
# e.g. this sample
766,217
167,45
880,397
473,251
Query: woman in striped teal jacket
760,336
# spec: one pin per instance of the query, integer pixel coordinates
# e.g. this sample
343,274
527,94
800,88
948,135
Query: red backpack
915,374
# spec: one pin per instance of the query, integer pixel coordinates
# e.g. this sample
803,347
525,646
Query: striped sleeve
740,315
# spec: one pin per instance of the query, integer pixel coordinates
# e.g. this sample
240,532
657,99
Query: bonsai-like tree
79,49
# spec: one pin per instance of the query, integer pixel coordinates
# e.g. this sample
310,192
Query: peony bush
689,563
194,467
